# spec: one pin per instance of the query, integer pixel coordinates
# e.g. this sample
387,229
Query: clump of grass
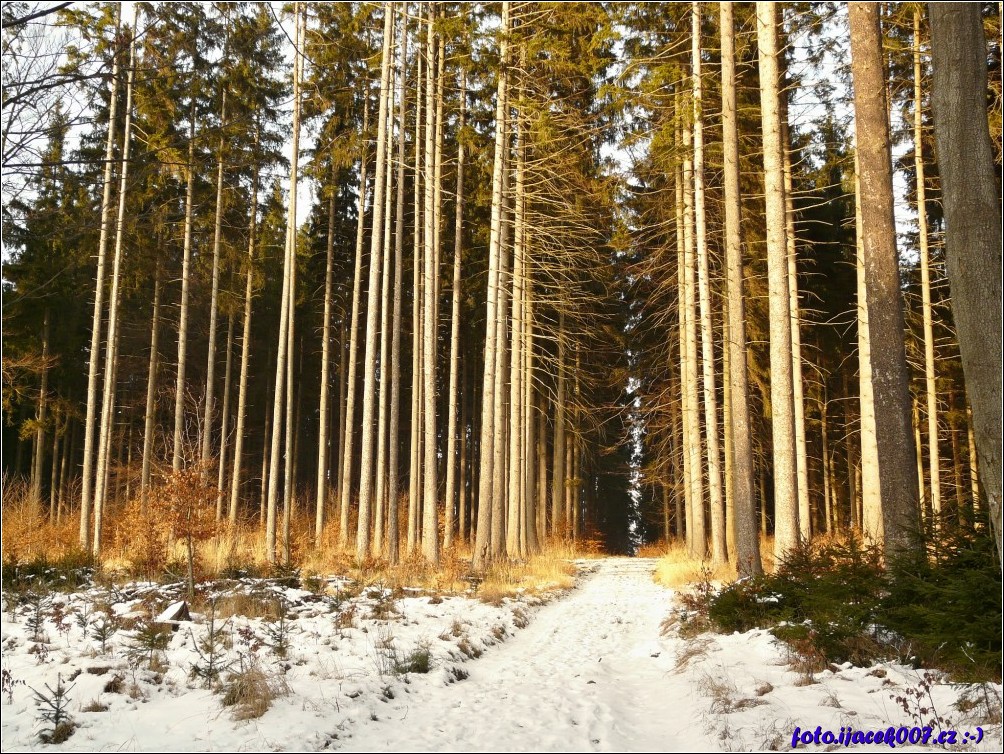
251,691
677,568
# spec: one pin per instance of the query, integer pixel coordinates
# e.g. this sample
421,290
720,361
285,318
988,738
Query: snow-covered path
591,673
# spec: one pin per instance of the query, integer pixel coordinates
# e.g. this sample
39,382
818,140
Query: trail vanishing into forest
590,673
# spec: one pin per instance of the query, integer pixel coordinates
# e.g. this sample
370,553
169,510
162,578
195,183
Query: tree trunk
869,503
221,472
393,532
415,445
717,500
934,459
149,421
696,520
291,240
242,390
186,263
284,351
111,351
890,377
971,198
786,528
737,426
380,502
345,475
207,421
43,395
458,245
324,401
367,438
99,291
488,417
798,395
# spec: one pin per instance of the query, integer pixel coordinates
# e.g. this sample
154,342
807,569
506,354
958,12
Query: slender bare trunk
40,417
99,292
393,532
372,298
798,394
324,401
786,528
345,474
111,352
737,425
890,376
934,459
458,247
242,390
151,390
186,263
221,471
484,535
718,551
209,408
430,533
380,501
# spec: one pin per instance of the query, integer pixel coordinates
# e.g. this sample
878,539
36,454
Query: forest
403,278
454,290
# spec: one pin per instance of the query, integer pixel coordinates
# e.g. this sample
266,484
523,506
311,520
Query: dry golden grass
28,535
677,568
137,545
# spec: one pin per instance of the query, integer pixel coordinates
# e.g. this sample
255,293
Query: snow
592,670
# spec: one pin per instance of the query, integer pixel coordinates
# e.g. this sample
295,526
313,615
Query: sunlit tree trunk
324,401
717,500
737,425
207,421
890,376
483,540
242,390
221,472
798,393
415,445
393,532
430,476
186,263
149,420
458,245
348,442
114,300
934,458
90,420
40,417
367,439
786,528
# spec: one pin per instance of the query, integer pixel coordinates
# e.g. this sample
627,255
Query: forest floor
600,667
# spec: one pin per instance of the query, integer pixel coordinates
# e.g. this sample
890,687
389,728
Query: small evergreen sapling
212,650
54,712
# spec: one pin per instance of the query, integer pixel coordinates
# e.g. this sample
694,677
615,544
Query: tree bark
738,424
367,438
186,263
111,351
151,391
99,291
786,528
345,474
488,419
890,376
242,390
393,533
934,456
717,500
458,245
973,225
